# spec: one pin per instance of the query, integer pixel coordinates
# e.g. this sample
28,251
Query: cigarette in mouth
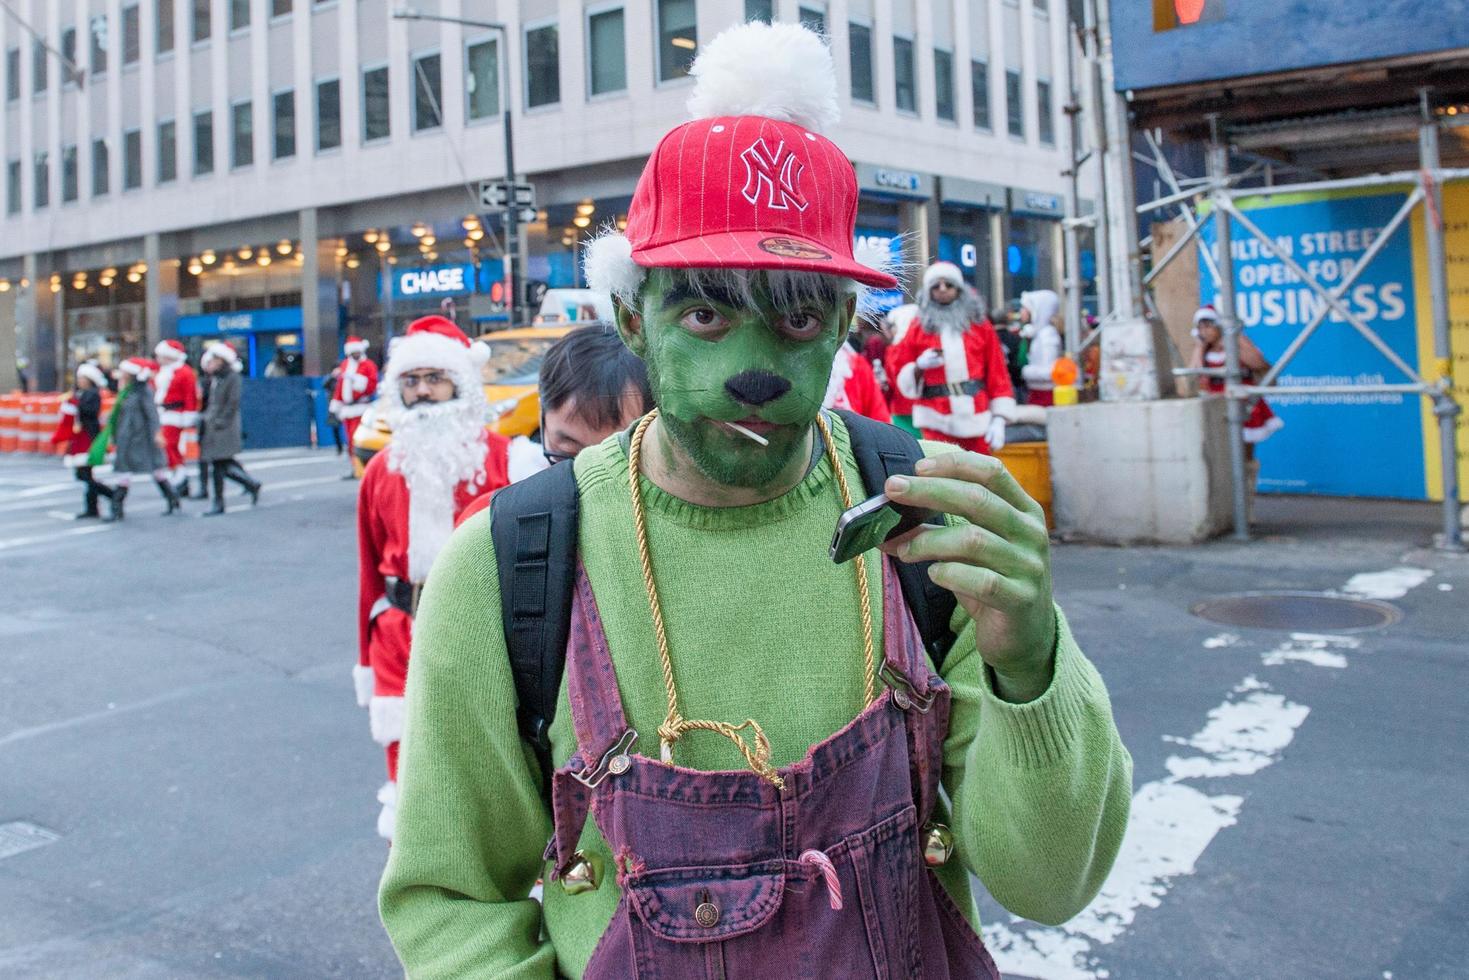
747,433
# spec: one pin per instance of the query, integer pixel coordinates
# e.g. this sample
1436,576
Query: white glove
931,358
995,434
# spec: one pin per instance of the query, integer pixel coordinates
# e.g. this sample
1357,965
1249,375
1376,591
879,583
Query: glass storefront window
965,240
1030,255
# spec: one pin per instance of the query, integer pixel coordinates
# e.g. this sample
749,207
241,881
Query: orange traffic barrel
50,419
189,444
30,425
10,421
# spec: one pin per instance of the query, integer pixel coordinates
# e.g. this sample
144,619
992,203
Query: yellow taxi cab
511,378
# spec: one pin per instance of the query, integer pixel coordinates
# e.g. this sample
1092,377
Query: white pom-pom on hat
607,262
780,71
479,353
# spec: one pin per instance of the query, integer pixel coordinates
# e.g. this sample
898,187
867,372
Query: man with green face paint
756,731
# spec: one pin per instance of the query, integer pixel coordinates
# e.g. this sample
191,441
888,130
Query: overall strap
602,735
922,695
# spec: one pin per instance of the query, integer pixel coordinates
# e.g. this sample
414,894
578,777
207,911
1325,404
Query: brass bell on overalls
938,844
581,876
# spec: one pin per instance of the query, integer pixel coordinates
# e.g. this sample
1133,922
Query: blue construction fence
279,413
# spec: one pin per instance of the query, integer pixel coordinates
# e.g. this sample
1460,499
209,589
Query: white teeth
747,433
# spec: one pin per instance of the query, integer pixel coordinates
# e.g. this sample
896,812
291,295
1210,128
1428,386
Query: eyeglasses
551,457
410,381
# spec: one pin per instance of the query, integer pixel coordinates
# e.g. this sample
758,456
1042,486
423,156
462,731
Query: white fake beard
436,447
942,318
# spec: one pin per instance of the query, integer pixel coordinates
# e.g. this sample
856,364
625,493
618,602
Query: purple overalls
725,876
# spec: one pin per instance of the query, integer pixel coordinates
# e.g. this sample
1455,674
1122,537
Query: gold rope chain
675,724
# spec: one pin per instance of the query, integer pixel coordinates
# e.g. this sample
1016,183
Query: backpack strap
533,524
882,451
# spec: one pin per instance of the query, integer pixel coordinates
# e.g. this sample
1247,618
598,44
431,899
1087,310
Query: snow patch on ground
1221,641
1311,648
1394,583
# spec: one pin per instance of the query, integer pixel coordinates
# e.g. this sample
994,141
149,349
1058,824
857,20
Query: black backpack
533,524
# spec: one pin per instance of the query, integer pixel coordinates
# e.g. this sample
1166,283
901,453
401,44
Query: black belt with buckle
403,595
953,389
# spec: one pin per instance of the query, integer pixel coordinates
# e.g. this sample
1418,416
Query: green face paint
694,343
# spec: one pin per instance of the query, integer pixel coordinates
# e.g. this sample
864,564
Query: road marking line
1171,824
272,464
8,543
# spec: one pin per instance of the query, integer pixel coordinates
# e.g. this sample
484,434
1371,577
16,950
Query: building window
203,25
132,159
131,43
97,30
376,124
943,84
168,152
38,67
678,38
12,74
12,187
163,26
328,114
542,66
859,39
1045,122
101,175
43,180
428,93
1014,110
279,8
760,10
68,56
242,135
68,173
979,87
283,124
239,14
606,52
905,94
812,18
203,143
482,79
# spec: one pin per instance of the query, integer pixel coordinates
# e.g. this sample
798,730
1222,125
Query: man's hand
931,358
159,441
998,565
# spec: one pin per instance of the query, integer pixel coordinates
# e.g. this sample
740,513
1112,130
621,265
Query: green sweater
762,625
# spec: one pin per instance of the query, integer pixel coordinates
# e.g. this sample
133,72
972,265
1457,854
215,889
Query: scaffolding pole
1070,231
1234,407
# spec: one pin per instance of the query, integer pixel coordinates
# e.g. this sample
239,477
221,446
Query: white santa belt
177,419
350,411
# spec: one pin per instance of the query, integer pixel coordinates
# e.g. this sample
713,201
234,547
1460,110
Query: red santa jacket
176,390
853,386
957,397
356,386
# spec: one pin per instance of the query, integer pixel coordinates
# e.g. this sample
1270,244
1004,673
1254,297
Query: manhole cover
18,837
1310,611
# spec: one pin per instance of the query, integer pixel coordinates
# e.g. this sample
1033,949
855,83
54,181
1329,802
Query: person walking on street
752,765
80,423
440,458
356,386
176,391
953,366
205,380
1037,325
221,440
133,430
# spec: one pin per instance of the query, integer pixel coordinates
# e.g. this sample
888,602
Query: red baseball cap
748,192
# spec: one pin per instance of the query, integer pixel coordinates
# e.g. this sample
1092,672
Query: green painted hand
998,565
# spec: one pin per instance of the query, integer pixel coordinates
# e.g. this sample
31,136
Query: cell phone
873,521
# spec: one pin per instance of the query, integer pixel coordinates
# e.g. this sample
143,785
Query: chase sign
434,280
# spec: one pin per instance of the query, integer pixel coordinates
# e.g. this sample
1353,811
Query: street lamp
514,265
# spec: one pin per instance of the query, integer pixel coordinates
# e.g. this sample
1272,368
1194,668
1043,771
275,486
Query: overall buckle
905,695
614,762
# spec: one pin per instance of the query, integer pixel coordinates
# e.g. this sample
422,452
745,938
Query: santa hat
169,351
139,367
1205,312
224,352
943,272
437,342
356,345
750,183
92,373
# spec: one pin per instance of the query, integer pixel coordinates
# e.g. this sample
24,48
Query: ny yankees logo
780,172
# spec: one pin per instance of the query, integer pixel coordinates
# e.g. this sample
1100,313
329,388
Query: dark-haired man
591,387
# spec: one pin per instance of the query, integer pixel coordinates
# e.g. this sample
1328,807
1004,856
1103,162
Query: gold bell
581,877
938,844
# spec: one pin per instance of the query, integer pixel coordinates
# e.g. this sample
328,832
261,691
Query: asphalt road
176,709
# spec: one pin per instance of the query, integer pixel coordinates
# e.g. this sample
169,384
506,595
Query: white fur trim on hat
1205,313
166,351
385,718
945,272
779,71
356,347
362,680
222,351
93,374
413,352
607,262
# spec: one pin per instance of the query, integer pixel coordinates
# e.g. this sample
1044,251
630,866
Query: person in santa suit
81,421
440,458
176,392
1260,422
854,386
1037,313
953,366
356,386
